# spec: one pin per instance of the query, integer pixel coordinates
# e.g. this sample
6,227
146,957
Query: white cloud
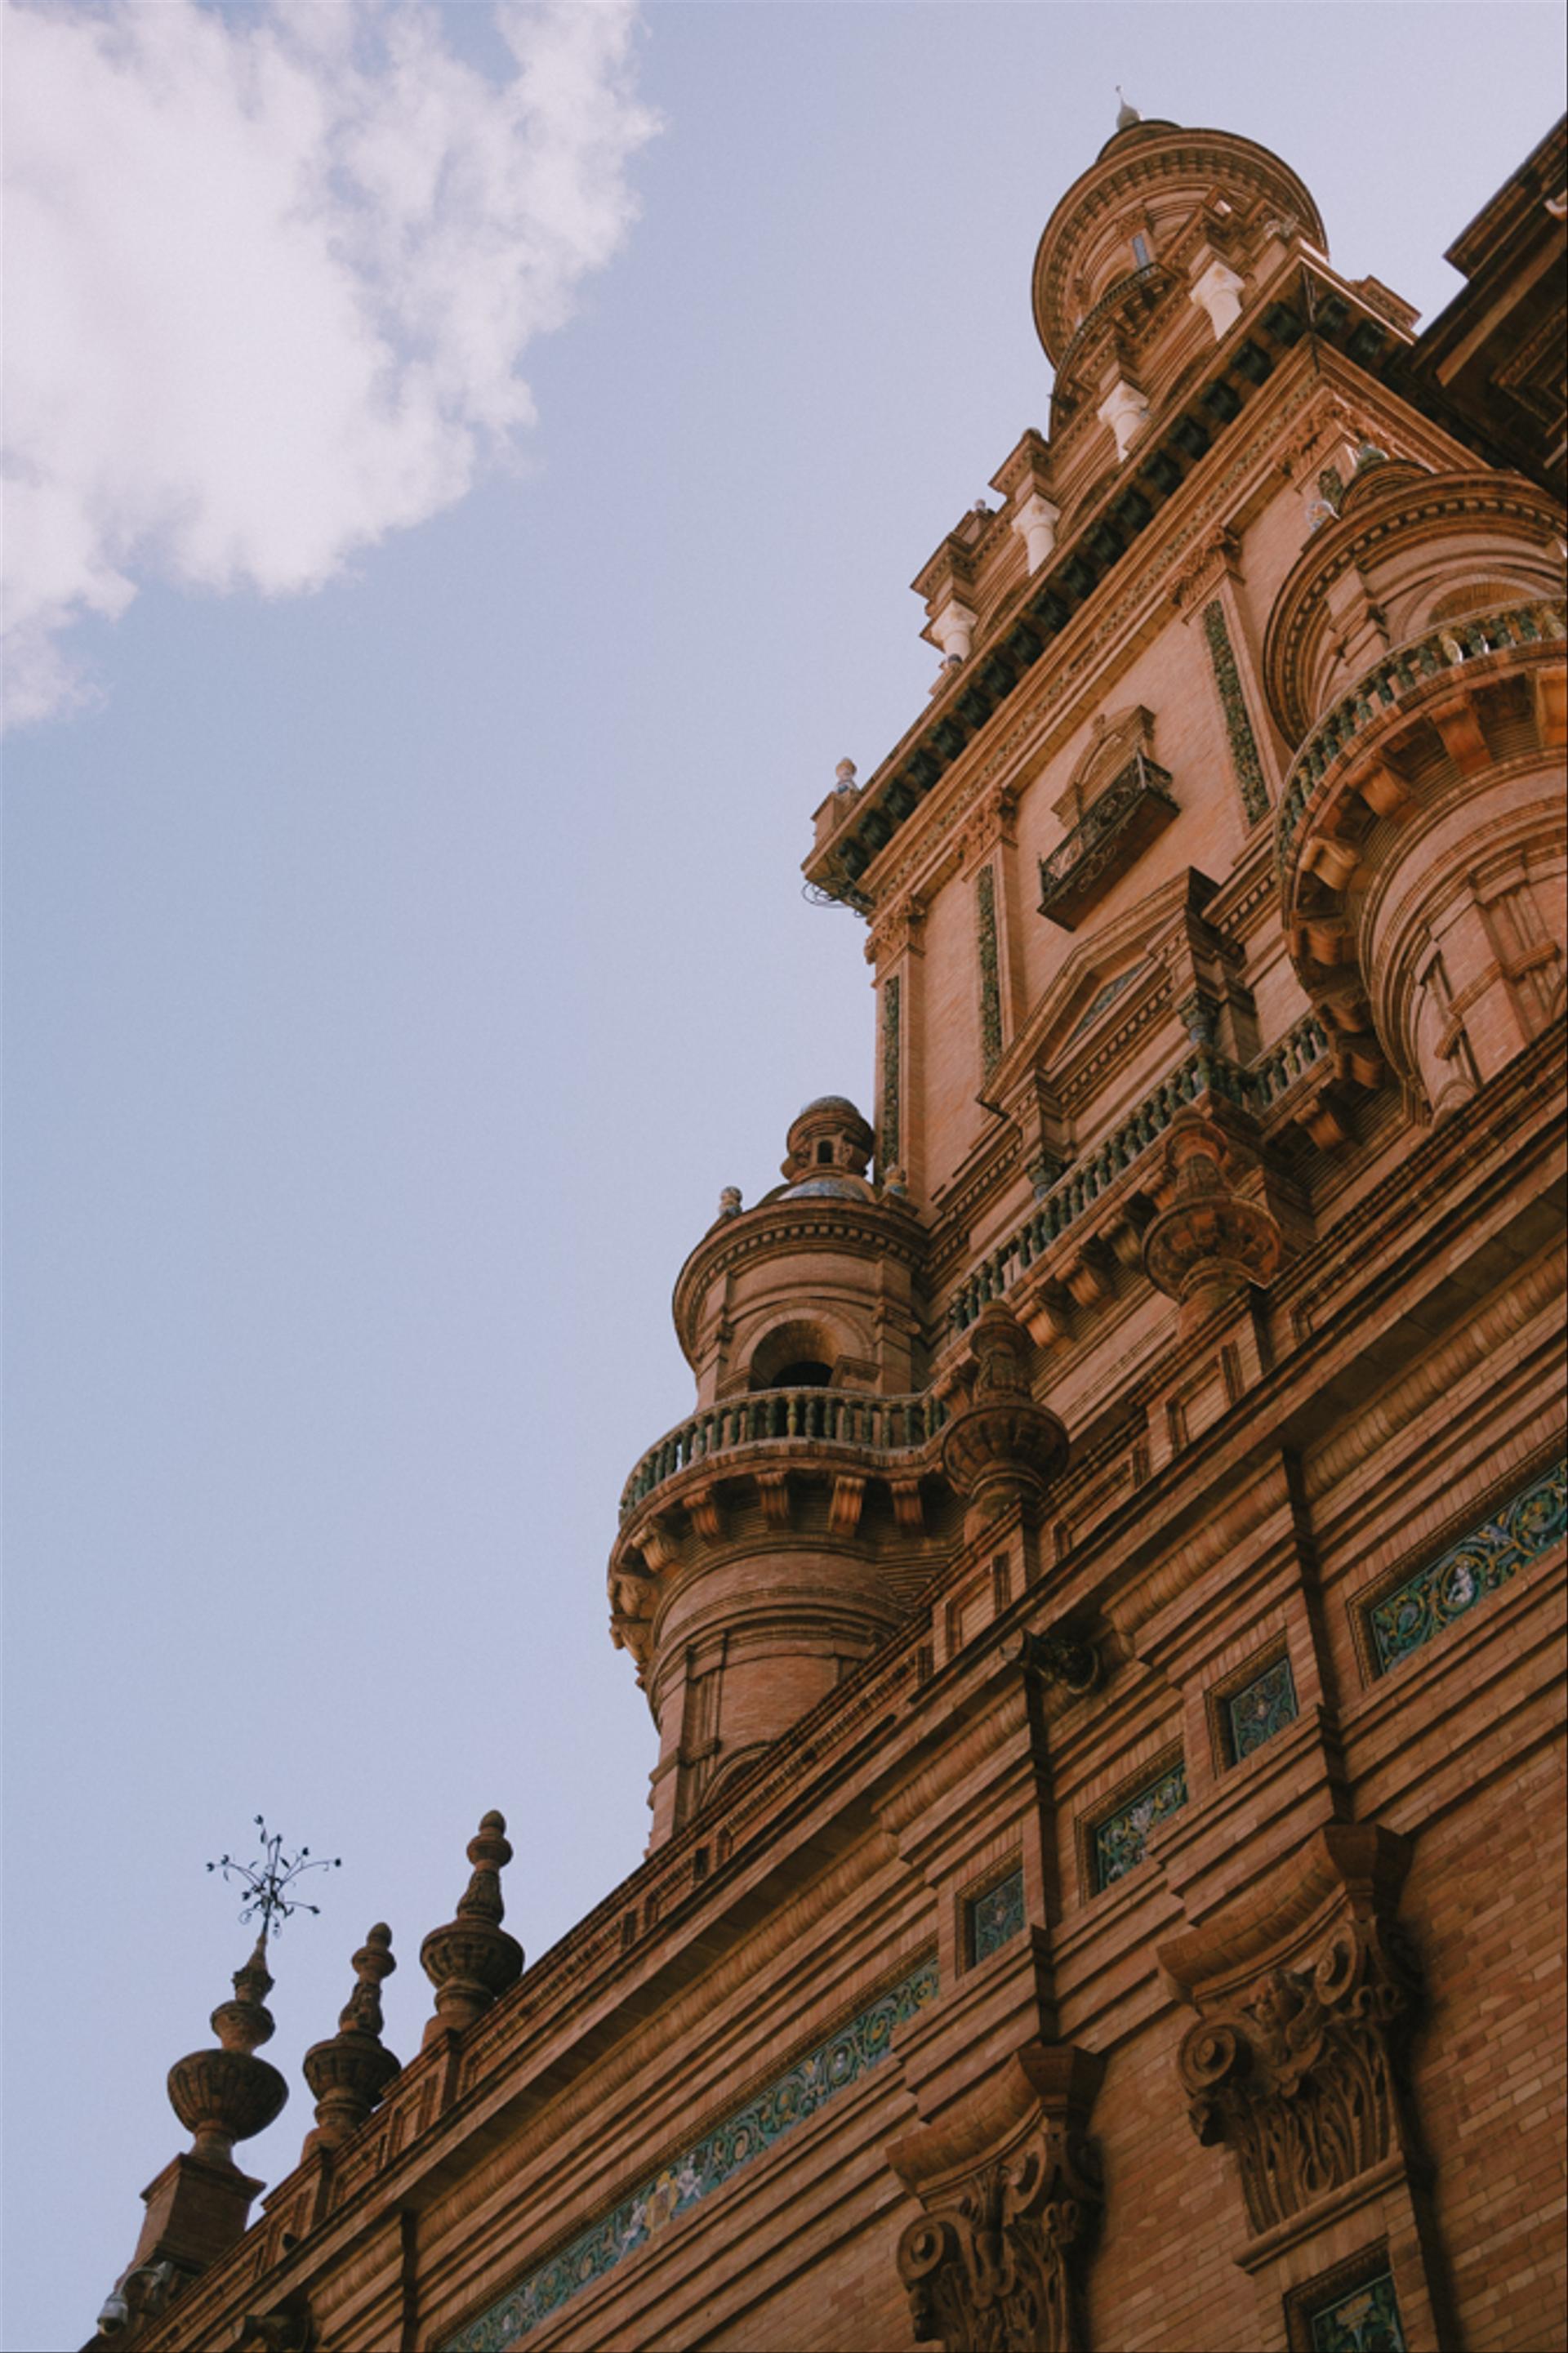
271,272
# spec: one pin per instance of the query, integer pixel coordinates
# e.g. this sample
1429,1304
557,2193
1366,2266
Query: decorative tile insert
1101,998
990,979
1527,1525
1237,725
995,1918
1120,1839
1365,2319
889,1142
699,2171
1260,1709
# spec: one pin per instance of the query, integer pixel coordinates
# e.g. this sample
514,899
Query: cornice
784,1226
1328,341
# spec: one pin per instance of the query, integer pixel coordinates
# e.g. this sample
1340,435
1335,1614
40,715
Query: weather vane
267,1881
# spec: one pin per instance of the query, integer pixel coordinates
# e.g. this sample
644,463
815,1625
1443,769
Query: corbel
1010,2186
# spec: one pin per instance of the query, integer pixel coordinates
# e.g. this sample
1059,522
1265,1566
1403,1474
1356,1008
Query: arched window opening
800,1354
824,1155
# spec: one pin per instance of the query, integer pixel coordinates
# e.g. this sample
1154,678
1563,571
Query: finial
229,2095
472,1959
730,1201
844,775
268,1880
1000,1450
1126,116
350,2073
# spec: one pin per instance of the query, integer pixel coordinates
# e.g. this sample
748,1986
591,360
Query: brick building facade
1102,1612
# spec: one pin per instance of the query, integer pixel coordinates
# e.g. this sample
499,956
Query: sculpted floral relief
1298,2079
1011,2189
991,2273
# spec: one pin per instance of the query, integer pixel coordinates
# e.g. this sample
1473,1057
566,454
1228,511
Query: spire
472,1960
349,2073
1126,116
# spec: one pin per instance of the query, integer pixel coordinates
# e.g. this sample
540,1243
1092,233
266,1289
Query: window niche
1118,799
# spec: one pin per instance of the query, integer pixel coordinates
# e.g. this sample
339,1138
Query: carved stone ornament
1011,2189
229,2095
1297,2068
472,1960
349,2073
1211,1243
288,2330
1001,1449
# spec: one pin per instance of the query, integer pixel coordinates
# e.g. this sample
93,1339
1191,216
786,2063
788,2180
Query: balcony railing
872,1423
1447,646
1253,1090
1110,834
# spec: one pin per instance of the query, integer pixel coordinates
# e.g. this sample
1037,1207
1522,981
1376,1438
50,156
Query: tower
1098,1611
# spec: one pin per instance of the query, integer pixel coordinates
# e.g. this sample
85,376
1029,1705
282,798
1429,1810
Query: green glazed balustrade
1205,1069
1449,646
877,1425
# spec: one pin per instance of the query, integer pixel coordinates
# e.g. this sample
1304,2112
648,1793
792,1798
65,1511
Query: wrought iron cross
267,1881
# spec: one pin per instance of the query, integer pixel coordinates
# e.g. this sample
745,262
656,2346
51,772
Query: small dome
829,1102
837,1189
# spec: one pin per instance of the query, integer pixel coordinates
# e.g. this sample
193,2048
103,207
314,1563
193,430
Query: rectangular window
995,1918
1426,1604
1363,2319
1141,250
1120,1839
1258,1709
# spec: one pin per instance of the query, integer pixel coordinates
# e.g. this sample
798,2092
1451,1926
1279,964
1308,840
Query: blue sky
404,924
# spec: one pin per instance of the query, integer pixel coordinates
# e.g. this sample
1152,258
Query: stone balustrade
1205,1069
1447,646
873,1423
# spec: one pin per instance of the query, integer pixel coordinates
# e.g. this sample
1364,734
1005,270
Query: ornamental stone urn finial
1000,1450
229,2095
472,1960
349,2072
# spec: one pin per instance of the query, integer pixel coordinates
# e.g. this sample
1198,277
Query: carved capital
896,930
1010,2191
1217,557
1295,2060
988,823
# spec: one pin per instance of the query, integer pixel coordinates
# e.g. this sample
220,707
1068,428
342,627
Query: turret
771,1540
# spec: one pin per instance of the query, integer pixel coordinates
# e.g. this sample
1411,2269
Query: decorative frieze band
863,2044
1520,1531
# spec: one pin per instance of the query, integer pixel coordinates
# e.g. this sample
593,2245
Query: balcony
766,1423
1116,829
1453,647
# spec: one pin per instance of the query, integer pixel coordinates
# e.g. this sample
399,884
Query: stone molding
1011,2189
